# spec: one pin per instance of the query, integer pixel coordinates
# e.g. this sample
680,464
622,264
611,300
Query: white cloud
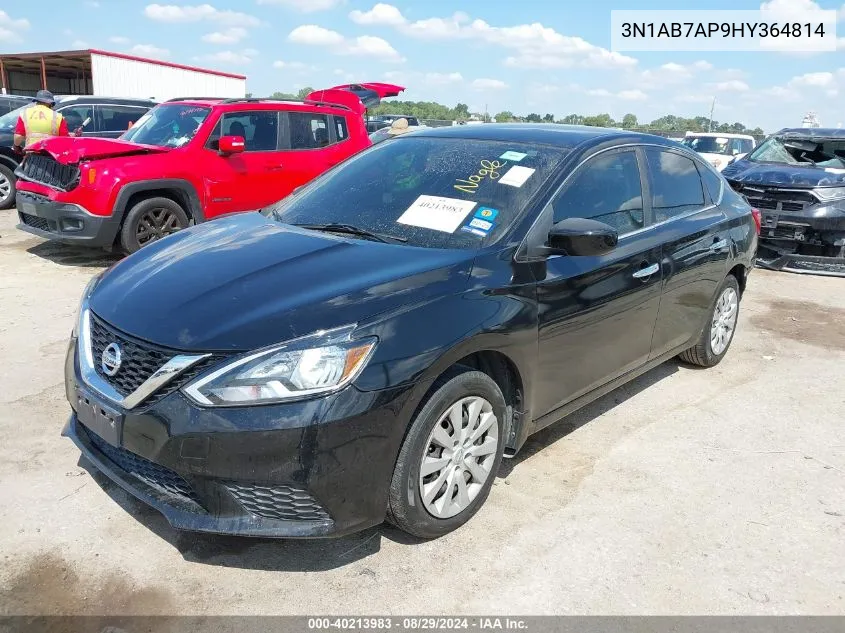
732,85
305,6
118,39
292,66
198,13
672,73
442,79
534,45
313,35
93,4
488,84
232,58
80,44
632,95
820,80
381,14
785,9
364,45
11,23
227,36
148,50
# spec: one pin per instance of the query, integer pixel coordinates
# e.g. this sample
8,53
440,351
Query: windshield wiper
352,230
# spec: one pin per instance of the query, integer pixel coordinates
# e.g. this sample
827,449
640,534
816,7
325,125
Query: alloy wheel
459,456
156,224
5,188
724,321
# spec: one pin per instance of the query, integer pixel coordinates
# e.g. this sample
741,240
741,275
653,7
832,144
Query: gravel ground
719,491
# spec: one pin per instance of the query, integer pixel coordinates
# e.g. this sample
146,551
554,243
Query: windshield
167,125
810,152
10,119
708,144
432,192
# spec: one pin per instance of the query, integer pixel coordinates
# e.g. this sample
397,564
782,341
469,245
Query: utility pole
710,124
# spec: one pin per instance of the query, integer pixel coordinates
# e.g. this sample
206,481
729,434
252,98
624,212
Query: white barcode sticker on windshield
516,176
437,213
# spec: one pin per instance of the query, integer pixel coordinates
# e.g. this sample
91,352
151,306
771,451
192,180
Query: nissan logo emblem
110,360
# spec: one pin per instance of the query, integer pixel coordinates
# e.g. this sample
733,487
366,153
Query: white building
103,73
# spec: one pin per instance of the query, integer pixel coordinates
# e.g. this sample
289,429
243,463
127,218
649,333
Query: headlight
830,193
77,321
320,363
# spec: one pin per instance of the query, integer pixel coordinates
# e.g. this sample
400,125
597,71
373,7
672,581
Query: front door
696,244
245,181
597,313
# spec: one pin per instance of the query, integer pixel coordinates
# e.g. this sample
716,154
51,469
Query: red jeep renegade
186,161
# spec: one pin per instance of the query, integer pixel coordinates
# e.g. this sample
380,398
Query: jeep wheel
7,188
151,220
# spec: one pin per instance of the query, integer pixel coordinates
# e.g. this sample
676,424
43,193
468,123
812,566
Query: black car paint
563,331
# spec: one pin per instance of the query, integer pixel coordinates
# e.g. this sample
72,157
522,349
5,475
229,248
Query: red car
186,161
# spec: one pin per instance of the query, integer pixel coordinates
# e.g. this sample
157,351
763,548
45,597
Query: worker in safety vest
39,121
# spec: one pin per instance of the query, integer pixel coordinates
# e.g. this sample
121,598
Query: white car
719,149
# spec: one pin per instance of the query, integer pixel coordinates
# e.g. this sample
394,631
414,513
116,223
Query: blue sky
527,56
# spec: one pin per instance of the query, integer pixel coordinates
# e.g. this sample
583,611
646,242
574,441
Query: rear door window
77,115
675,184
607,188
308,130
117,118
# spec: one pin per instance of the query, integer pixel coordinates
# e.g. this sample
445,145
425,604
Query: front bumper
310,469
64,222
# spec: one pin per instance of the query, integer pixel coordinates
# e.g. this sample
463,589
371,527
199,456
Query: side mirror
579,236
231,144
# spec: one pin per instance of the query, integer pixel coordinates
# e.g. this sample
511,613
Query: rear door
597,314
79,116
114,120
696,243
248,180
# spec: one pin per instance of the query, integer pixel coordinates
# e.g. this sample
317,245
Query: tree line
438,111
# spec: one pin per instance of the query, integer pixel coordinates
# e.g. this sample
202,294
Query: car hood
748,173
243,282
70,150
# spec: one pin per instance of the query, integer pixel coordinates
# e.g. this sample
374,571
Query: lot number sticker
516,176
437,213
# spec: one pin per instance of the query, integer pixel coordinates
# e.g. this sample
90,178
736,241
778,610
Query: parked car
105,117
372,345
12,102
187,161
796,177
719,149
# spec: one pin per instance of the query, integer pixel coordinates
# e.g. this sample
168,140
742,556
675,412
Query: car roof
719,135
812,132
543,133
237,105
111,100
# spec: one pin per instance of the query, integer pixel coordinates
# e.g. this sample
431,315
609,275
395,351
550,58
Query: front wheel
450,456
151,220
7,188
719,332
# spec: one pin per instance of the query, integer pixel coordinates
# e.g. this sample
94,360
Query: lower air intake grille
35,222
277,502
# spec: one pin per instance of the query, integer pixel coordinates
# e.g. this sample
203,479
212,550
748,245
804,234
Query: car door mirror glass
231,144
582,237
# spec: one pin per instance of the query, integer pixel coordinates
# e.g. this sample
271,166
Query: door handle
648,271
719,245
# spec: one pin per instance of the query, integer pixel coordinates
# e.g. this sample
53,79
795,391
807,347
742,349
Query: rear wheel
151,220
450,457
719,332
7,188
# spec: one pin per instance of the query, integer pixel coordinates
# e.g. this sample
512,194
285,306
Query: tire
7,179
407,508
150,220
703,353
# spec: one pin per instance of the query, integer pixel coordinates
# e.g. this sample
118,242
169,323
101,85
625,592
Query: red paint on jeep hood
70,150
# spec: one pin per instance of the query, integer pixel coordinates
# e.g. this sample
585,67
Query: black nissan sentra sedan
371,346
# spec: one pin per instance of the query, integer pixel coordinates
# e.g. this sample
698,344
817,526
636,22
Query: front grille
775,199
35,222
165,481
139,361
277,502
46,170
